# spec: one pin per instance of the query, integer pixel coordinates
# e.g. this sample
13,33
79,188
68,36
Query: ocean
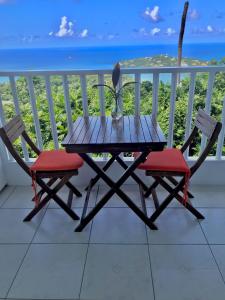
98,57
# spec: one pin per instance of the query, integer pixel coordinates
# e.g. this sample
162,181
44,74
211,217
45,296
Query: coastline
100,57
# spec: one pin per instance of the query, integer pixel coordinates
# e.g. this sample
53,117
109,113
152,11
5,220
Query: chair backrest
210,128
9,133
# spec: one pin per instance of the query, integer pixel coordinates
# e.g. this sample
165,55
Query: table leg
105,168
115,188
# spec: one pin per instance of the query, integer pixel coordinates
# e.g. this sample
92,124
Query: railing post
172,109
208,103
101,94
155,94
219,149
34,111
51,111
190,110
67,103
17,109
83,83
137,93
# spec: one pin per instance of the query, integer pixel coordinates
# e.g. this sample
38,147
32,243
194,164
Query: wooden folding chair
56,165
164,166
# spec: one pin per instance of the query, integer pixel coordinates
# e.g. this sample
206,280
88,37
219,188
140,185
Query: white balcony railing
192,72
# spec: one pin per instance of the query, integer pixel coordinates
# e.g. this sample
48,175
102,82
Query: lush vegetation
94,107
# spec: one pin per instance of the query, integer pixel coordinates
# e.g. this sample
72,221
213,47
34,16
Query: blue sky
59,23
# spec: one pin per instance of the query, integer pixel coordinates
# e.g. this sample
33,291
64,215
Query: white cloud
153,14
194,14
155,31
65,28
51,33
209,28
84,33
170,31
143,31
111,36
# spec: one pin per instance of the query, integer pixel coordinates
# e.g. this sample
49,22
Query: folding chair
164,166
53,165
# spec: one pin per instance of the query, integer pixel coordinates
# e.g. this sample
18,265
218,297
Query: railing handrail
136,70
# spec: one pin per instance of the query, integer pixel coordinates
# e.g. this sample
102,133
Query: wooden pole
181,35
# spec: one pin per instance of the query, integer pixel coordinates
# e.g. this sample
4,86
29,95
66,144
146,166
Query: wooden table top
102,134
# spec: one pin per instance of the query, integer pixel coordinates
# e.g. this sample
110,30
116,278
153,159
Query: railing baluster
83,83
51,111
120,97
137,93
219,149
17,110
208,103
101,94
190,110
67,102
5,151
172,109
2,116
155,94
34,111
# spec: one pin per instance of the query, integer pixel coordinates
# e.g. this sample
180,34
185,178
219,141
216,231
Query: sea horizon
96,57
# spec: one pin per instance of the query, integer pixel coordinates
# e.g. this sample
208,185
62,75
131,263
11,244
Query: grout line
214,258
82,279
29,245
150,263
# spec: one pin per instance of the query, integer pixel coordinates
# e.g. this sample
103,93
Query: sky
77,23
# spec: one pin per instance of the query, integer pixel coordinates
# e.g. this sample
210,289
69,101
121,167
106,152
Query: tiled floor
116,257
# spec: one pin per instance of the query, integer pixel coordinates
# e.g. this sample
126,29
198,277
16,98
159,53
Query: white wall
211,173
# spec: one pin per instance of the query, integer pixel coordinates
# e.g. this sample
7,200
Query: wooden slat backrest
14,128
10,133
205,123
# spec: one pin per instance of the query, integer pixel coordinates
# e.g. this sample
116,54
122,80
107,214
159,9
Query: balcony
49,122
116,257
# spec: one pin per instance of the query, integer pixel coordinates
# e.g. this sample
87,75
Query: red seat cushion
57,160
170,159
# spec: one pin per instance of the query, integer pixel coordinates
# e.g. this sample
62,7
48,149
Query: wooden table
102,134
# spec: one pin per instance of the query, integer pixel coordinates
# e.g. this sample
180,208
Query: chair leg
41,192
52,193
74,189
155,198
37,209
161,208
149,191
70,198
189,207
65,207
175,194
175,182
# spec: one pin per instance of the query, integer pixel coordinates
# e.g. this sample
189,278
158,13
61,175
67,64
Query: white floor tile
118,225
50,272
12,227
176,226
78,202
214,225
20,198
185,272
219,253
5,194
208,196
116,272
131,191
10,260
58,227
